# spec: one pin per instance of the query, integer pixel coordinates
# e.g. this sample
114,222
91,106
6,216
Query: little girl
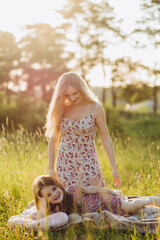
40,217
51,197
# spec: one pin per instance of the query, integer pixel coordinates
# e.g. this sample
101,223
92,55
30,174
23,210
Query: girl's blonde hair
56,108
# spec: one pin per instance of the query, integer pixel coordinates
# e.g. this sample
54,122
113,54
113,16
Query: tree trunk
103,88
114,102
103,94
155,100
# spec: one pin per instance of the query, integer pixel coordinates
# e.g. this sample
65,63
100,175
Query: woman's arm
52,149
106,140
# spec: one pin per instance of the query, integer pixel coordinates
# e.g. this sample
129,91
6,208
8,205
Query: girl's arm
43,209
77,191
106,140
52,149
96,189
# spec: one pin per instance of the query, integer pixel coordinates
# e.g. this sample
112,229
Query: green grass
23,156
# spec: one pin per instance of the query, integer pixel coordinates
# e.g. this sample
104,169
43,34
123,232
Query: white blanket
26,220
145,220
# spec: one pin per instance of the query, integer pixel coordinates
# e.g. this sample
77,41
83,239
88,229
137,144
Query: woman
74,113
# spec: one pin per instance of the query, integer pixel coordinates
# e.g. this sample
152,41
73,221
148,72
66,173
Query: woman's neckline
82,119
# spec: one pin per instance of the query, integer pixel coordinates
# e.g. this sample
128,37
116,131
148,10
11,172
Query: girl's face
73,95
52,194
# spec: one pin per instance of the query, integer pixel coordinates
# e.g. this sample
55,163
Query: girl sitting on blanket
51,197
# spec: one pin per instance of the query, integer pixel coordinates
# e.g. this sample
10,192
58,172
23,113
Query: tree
153,72
122,69
9,58
134,93
150,21
43,57
95,25
148,27
156,73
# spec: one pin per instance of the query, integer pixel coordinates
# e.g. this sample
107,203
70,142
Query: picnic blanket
145,220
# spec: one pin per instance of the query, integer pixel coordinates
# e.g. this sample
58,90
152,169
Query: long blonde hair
56,108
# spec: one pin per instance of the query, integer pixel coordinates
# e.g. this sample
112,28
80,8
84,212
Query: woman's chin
76,102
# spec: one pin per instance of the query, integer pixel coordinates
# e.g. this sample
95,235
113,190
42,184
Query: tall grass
23,156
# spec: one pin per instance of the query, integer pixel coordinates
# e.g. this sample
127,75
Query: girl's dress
77,160
94,202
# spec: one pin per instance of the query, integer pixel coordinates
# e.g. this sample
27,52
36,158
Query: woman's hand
117,178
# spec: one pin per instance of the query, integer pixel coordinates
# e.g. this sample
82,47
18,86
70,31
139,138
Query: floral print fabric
77,160
94,202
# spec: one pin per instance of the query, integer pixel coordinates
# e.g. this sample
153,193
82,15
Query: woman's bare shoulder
98,108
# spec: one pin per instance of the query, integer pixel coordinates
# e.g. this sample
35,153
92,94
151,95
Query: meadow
23,156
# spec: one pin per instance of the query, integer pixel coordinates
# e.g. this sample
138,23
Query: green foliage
43,44
23,110
93,33
35,62
149,22
136,93
9,56
124,124
114,122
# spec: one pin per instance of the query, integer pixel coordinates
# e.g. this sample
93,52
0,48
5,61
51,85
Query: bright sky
14,14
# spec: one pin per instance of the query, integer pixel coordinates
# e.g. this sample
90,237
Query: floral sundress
94,202
77,160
